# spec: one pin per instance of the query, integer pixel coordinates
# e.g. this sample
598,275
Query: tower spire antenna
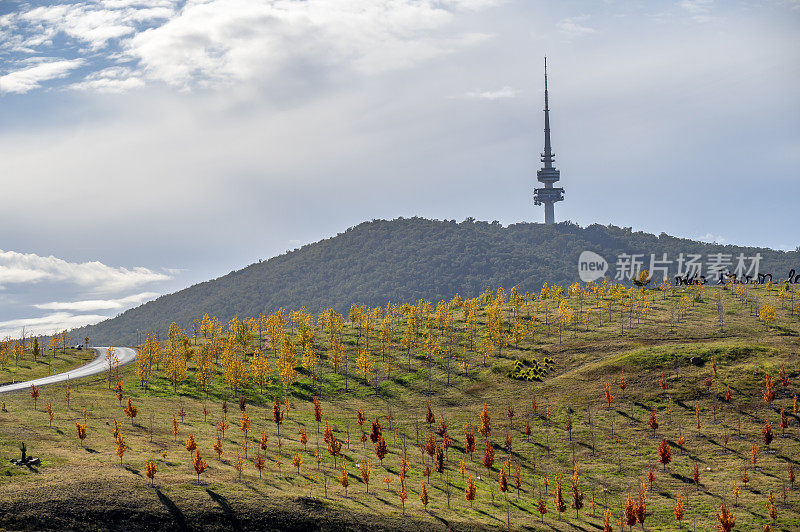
547,156
545,84
548,174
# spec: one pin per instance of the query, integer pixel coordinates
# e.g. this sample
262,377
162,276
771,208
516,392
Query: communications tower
548,194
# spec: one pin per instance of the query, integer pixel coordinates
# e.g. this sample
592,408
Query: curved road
126,355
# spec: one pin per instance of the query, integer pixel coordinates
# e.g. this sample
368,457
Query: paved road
99,364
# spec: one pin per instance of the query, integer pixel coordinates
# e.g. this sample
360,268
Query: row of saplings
634,510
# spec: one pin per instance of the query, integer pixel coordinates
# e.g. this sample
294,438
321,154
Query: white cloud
711,238
13,274
696,6
28,267
499,94
140,4
571,28
92,23
31,77
113,80
473,5
222,40
98,304
57,321
212,42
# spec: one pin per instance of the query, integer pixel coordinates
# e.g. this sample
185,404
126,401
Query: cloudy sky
149,144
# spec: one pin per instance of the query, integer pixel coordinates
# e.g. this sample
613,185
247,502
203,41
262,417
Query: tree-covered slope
405,260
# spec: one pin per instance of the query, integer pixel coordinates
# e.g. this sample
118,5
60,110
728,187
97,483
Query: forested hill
404,260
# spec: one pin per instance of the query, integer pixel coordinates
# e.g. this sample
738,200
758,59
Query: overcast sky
149,144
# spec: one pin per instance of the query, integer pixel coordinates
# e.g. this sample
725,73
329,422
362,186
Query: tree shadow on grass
490,516
303,391
226,509
133,470
769,474
255,489
177,514
90,450
750,415
541,446
357,500
547,524
381,499
787,459
580,527
516,504
682,478
441,519
694,458
628,416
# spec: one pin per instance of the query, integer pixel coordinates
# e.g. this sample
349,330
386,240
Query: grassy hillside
48,363
644,336
405,260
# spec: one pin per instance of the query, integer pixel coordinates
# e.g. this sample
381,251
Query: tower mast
548,174
547,156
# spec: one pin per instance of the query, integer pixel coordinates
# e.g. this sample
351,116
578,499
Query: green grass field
48,363
612,446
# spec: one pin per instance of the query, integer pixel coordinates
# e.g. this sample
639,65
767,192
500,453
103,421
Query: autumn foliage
726,520
198,464
81,429
150,470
